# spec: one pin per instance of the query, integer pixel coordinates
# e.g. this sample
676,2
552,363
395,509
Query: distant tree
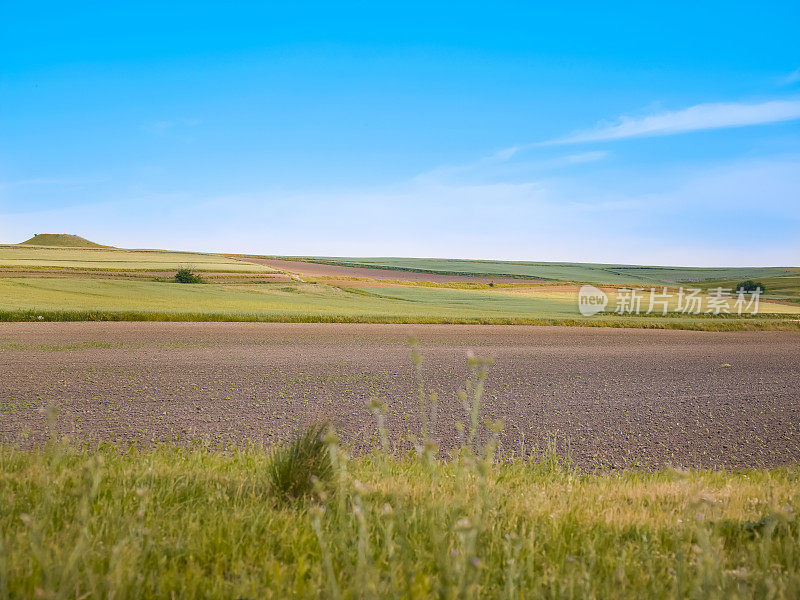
750,286
185,275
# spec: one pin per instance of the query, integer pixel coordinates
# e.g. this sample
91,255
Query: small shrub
750,286
185,275
293,468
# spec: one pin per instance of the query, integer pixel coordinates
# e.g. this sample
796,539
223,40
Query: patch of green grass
699,323
786,287
71,299
53,294
190,523
264,300
117,258
485,299
589,272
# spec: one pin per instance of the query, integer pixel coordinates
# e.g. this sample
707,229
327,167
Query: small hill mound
60,239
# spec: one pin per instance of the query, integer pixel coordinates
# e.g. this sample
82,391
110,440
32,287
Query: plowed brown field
622,396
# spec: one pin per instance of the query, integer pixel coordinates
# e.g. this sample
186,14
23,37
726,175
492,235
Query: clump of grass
296,469
186,275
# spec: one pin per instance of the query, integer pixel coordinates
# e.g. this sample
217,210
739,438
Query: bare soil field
623,397
312,269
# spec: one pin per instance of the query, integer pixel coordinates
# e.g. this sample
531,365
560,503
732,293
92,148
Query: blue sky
605,132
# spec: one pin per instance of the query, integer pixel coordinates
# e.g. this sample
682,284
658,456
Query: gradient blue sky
660,133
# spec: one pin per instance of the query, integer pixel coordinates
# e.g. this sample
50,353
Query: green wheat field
65,280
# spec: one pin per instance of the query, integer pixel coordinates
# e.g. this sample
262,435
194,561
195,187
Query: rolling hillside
63,240
561,271
89,282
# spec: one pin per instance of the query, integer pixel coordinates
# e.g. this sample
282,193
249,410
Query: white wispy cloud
504,163
56,181
160,127
700,117
792,77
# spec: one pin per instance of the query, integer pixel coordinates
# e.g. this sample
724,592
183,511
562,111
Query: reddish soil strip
623,397
311,269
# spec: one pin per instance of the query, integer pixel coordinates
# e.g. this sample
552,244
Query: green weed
296,468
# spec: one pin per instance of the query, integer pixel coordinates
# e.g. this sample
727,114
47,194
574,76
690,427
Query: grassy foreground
170,522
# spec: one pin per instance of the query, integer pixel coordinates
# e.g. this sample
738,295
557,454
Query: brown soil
623,397
312,269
